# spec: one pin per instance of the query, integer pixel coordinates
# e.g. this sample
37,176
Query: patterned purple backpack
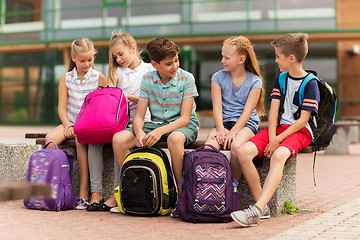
209,191
53,167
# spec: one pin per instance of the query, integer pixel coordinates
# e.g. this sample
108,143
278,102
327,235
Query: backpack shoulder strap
282,82
303,84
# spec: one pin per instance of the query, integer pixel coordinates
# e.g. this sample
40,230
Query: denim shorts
230,125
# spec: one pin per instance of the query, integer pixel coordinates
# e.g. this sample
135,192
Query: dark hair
161,48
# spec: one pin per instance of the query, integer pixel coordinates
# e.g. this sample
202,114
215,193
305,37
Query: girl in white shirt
126,70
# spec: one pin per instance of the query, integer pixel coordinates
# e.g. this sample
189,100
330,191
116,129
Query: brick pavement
338,183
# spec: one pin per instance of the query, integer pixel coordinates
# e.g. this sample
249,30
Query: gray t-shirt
234,98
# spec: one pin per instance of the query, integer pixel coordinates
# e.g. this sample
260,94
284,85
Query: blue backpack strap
282,82
307,79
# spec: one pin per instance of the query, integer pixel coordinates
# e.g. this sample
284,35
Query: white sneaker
266,213
248,217
115,210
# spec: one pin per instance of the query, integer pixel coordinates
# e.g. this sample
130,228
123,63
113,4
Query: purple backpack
53,167
209,191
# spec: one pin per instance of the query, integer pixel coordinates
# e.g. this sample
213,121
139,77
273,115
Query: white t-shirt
130,82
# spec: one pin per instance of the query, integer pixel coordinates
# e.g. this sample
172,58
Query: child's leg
82,157
241,138
211,140
57,136
175,142
272,181
122,143
245,156
96,165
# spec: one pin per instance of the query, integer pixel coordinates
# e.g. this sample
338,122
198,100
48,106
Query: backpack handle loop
56,147
207,145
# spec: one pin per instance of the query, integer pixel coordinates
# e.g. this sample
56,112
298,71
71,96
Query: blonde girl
80,80
126,70
237,94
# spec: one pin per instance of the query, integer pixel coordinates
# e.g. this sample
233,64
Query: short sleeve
276,93
190,89
311,97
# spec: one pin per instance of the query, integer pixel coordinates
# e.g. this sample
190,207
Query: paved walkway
329,210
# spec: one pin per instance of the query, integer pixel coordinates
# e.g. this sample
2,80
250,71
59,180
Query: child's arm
184,120
102,80
250,105
274,140
132,98
217,112
62,108
138,122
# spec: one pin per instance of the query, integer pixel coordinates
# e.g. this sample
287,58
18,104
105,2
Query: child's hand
140,139
229,138
69,131
152,137
271,147
220,136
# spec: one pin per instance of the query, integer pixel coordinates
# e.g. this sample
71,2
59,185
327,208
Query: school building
35,37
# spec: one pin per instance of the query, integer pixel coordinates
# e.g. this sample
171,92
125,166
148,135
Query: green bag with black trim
147,185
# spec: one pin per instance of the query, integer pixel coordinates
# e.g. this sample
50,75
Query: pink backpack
104,112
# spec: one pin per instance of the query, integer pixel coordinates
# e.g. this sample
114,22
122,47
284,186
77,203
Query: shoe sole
240,223
265,217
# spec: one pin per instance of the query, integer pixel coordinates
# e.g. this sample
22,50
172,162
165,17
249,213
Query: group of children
166,91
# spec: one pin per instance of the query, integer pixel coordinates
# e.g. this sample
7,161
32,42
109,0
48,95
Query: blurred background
35,38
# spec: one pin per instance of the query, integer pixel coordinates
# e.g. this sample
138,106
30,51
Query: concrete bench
285,191
347,132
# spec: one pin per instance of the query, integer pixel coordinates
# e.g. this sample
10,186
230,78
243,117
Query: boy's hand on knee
152,137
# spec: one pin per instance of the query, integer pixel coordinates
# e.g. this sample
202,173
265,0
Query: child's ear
242,59
154,64
292,58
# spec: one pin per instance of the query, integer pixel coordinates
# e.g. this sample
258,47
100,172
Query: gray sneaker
266,213
248,217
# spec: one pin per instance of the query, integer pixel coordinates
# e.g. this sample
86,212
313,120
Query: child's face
282,60
230,58
83,61
168,67
124,55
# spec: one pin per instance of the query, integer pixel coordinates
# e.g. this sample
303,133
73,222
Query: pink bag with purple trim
104,113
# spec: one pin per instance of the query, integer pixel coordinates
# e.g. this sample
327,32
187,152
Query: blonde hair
119,38
81,45
244,47
293,43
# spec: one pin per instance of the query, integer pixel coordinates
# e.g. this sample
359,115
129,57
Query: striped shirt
77,91
291,101
165,100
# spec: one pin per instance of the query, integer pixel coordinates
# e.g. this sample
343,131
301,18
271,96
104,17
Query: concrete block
340,143
285,191
354,134
14,160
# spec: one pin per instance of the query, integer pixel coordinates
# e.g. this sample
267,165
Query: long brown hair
244,47
119,38
83,45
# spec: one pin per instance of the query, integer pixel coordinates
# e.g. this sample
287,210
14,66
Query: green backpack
147,185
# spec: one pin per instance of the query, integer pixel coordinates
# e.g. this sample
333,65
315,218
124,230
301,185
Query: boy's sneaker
82,204
248,217
266,213
115,210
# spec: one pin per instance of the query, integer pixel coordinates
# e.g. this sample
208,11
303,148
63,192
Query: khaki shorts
190,131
